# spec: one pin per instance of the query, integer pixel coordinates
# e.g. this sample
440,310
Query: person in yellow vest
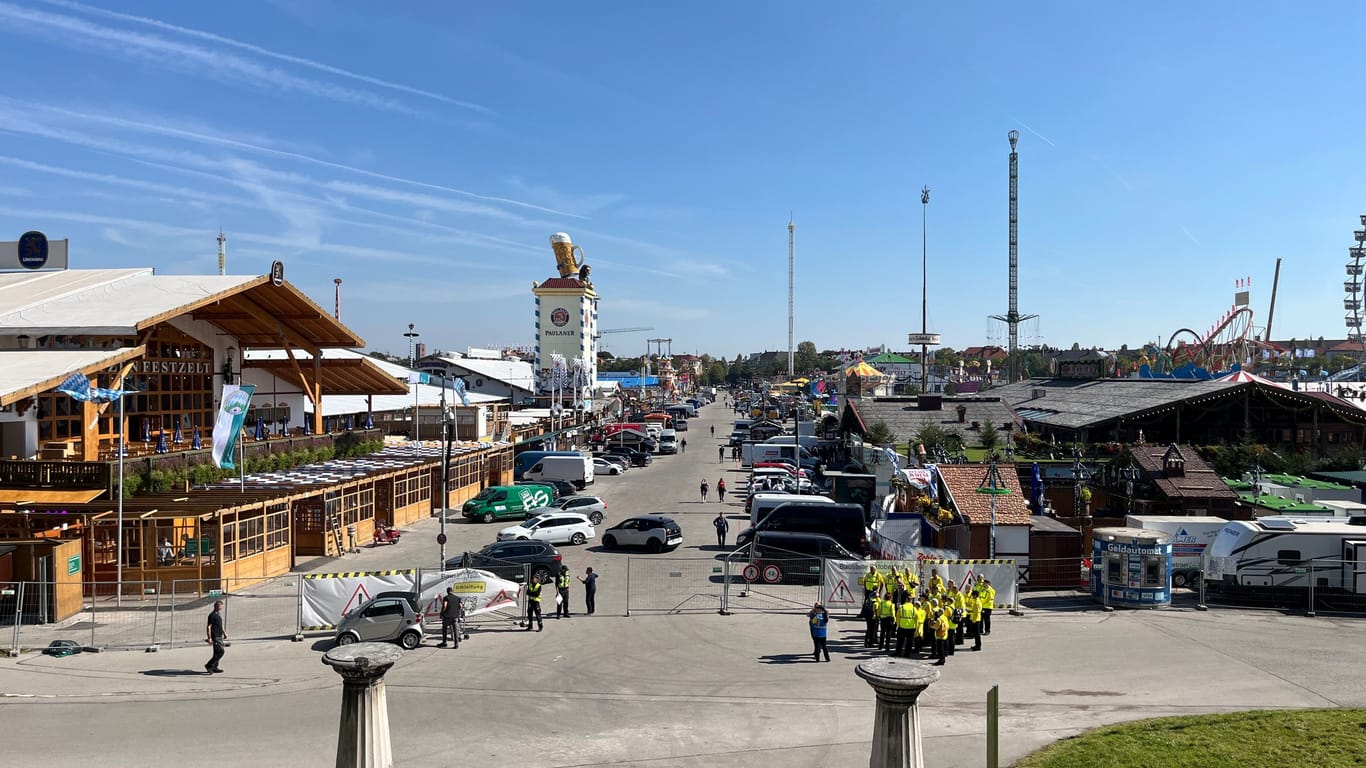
946,616
906,615
936,583
989,597
974,609
939,624
959,600
562,593
871,582
886,617
533,604
870,618
896,583
919,634
912,580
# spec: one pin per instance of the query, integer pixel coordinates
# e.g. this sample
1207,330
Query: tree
989,436
880,434
807,358
932,436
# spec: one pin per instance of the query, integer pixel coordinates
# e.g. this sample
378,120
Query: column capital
897,681
361,662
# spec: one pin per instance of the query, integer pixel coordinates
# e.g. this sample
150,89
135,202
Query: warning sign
359,596
841,595
772,574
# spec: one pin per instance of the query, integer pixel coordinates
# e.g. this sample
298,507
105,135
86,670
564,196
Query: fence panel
773,584
252,609
1056,573
1310,586
90,614
673,585
507,617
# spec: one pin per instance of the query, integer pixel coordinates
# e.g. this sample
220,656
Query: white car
602,466
653,532
552,527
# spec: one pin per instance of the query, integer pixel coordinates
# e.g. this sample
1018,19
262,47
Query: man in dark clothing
590,590
870,601
722,526
451,614
562,593
533,604
215,635
720,453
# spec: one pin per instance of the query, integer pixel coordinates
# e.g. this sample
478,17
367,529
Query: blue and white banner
78,386
459,387
232,411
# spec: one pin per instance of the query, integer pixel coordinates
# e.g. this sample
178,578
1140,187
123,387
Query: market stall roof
342,374
27,372
112,302
21,496
862,369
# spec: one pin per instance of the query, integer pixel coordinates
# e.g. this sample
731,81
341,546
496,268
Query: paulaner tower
567,325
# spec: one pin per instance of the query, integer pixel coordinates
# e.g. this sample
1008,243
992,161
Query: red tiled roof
962,481
1200,481
561,282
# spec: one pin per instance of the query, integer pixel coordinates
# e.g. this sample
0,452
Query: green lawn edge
1322,738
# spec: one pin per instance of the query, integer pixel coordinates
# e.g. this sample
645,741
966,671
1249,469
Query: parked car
620,460
604,466
557,527
845,523
655,533
638,458
389,616
559,487
592,506
506,560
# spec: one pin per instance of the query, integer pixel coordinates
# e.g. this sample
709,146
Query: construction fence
148,616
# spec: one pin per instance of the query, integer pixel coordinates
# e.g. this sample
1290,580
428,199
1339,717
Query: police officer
451,613
562,592
533,604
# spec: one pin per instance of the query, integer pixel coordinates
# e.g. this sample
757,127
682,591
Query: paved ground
661,690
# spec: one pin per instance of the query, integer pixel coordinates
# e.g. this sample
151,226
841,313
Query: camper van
1283,554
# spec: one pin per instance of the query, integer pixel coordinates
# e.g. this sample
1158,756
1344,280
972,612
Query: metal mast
1013,318
791,283
924,280
222,253
336,307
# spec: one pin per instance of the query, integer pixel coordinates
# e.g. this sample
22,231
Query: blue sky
423,152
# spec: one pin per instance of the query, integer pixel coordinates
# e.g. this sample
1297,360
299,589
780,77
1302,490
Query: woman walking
704,490
721,490
818,618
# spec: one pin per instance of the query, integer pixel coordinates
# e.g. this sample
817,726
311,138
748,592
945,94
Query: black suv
505,559
560,487
638,458
795,557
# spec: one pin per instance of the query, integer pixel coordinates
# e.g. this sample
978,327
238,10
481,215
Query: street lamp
412,366
1080,476
1130,475
993,486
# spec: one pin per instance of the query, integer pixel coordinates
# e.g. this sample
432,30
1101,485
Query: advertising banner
1003,574
227,426
327,597
479,591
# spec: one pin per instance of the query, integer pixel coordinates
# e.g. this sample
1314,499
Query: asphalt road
664,691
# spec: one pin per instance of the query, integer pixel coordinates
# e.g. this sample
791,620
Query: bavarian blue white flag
459,386
228,425
78,386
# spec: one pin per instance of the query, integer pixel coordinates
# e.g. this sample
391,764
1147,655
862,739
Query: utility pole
791,286
412,366
222,253
336,307
1012,318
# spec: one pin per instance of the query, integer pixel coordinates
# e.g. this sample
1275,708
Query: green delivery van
499,502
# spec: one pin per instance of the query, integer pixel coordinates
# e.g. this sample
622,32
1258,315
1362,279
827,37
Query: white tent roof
100,301
25,372
426,395
512,372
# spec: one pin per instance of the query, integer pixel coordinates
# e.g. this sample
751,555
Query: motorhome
1189,536
1287,554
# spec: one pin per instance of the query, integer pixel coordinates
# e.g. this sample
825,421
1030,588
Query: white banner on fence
840,589
479,591
1003,574
329,596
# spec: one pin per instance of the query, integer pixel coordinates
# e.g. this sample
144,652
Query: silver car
591,506
390,616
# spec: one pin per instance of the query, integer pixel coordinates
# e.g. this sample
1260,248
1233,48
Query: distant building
1081,364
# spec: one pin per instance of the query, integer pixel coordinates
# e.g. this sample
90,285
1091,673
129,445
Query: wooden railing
54,474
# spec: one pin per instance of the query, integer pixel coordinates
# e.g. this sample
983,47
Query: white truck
1189,535
752,453
575,469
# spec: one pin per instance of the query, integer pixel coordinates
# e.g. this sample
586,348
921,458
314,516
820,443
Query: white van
668,441
574,469
760,504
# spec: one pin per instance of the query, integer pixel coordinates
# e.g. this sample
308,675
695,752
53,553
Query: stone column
896,723
363,732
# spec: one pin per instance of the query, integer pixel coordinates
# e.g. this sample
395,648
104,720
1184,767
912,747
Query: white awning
28,372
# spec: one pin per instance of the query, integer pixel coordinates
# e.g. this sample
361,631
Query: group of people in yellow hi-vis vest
905,620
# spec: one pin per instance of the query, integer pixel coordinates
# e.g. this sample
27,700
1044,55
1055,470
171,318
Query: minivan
795,556
760,504
845,523
668,441
500,502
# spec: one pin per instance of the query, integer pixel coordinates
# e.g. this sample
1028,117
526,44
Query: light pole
445,469
1080,476
924,293
1130,475
412,366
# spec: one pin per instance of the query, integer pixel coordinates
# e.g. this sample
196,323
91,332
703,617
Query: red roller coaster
1227,342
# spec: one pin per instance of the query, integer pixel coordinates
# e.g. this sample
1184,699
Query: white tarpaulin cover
327,597
479,591
26,368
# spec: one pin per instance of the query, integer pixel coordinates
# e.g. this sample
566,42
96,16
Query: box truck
750,453
1189,535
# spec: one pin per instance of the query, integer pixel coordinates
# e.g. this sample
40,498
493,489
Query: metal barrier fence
1055,573
673,585
1312,586
777,581
252,610
505,617
92,614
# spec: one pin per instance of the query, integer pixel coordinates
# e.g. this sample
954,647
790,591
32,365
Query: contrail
1025,126
258,50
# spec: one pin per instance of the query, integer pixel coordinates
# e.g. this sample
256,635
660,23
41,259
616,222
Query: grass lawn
1321,738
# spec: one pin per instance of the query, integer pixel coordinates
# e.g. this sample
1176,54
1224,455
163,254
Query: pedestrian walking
720,453
818,618
721,490
704,490
533,604
713,430
683,445
590,590
562,593
722,527
217,636
451,613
